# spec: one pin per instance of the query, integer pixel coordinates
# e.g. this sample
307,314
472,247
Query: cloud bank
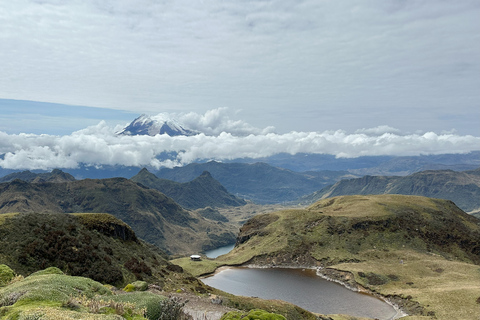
99,145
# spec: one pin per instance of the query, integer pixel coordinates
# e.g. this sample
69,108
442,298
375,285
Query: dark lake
301,287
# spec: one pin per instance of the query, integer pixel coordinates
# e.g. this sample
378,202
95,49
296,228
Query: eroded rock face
287,260
255,226
344,277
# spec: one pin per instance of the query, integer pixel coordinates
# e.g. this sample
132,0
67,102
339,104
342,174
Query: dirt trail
203,308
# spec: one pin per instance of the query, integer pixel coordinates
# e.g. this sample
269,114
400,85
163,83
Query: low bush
49,270
140,285
6,274
129,288
168,309
255,314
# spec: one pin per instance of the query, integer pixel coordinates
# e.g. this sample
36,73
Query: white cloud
405,64
99,145
378,130
216,121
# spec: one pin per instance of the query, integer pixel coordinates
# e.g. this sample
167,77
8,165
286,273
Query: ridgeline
153,216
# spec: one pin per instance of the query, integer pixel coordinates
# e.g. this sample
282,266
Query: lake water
301,287
219,251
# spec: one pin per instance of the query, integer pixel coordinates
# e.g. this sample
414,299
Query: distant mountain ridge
301,163
159,124
462,187
371,165
203,191
55,176
258,182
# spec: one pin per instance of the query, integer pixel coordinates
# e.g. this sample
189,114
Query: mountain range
463,187
203,191
55,176
302,163
258,182
370,165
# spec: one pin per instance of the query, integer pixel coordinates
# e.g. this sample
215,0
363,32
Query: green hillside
153,216
201,192
97,246
350,225
422,253
463,188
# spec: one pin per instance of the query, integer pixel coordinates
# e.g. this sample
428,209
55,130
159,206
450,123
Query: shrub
376,279
138,267
168,309
129,288
6,274
140,285
49,270
255,314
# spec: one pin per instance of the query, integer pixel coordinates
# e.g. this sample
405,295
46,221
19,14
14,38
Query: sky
348,78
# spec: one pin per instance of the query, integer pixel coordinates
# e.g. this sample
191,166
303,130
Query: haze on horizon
344,78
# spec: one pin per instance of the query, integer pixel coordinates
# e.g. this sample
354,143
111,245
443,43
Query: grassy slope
370,236
54,295
447,289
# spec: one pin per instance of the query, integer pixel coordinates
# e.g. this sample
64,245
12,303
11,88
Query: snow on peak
153,125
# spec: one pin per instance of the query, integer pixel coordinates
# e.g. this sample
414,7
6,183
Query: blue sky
404,67
20,116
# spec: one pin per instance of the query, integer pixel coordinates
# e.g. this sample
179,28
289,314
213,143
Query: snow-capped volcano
153,125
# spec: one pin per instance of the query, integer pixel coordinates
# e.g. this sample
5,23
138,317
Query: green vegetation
343,228
252,315
84,245
198,268
289,311
65,242
136,286
6,274
167,309
50,295
425,284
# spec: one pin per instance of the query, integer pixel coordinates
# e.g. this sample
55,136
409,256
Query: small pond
219,251
301,287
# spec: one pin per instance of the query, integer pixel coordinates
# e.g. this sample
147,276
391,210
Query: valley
421,254
372,244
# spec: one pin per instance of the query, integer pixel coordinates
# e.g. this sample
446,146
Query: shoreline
399,312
